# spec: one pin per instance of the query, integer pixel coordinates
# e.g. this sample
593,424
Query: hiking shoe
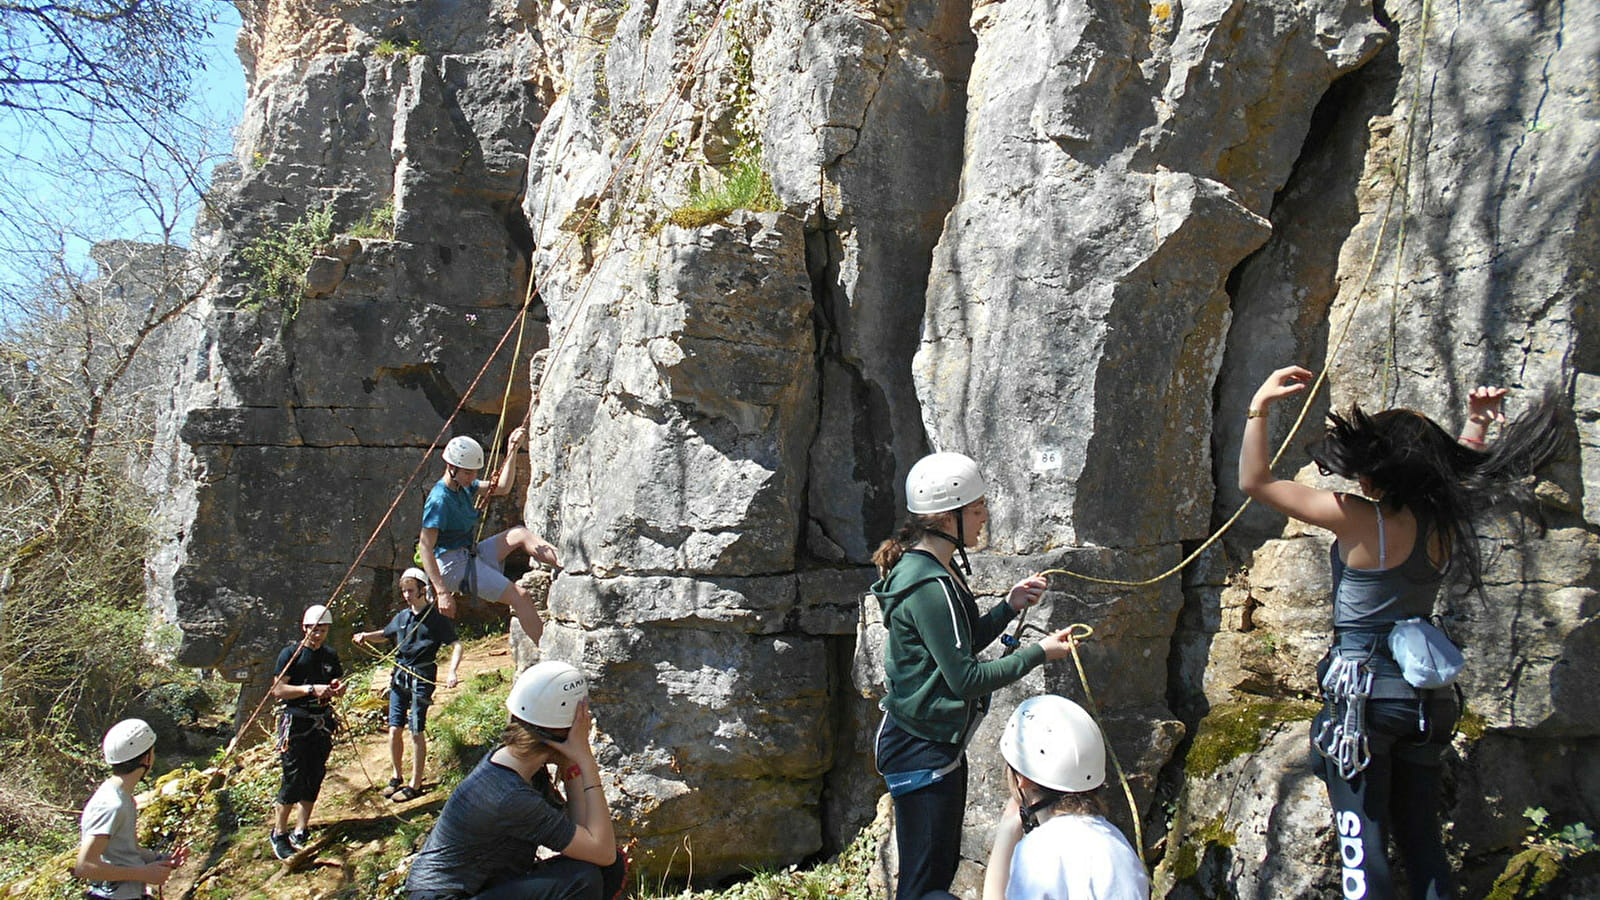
281,848
406,794
299,839
393,785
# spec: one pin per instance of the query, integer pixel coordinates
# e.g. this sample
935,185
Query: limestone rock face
294,421
778,250
1077,293
1461,253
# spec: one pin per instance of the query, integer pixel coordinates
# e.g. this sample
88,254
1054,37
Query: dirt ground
355,829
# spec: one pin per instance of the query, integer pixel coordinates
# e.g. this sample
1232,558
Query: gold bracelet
1255,413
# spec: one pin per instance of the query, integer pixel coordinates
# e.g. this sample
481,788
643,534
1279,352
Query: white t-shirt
1076,858
111,812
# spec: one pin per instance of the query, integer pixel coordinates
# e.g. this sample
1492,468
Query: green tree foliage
77,396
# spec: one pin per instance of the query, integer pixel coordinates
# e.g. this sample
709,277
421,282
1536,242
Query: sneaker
299,839
393,785
281,848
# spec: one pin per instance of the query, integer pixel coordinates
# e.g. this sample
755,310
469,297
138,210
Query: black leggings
561,878
1397,795
927,830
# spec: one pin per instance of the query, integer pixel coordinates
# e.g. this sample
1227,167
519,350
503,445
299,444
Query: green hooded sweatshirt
931,659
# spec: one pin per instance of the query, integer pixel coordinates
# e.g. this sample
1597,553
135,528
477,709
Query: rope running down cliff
671,97
1401,189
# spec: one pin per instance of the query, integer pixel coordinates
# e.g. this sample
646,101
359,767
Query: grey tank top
1367,603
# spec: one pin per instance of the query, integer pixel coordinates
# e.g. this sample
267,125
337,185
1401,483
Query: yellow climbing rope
1400,189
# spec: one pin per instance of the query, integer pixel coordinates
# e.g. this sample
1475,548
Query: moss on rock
1526,875
1232,730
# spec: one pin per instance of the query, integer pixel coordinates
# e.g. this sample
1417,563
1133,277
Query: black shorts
308,742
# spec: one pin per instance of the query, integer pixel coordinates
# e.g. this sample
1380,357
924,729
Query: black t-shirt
417,638
491,827
319,666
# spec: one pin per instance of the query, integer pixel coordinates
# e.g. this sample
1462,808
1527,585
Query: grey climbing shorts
491,582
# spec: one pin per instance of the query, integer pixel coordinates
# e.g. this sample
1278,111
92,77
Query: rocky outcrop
295,419
784,248
1462,253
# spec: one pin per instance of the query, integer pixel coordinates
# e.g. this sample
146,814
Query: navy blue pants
1398,796
927,821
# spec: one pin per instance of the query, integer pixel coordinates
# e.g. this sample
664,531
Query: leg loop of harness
1343,736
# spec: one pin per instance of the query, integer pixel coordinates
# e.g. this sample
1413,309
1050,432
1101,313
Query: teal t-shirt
452,512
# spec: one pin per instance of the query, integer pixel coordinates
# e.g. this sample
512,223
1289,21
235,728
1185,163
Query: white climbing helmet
942,482
417,575
1055,743
127,740
316,615
547,694
463,453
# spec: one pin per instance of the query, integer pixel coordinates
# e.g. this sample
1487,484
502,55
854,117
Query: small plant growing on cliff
376,224
1536,871
277,260
1570,840
389,48
745,185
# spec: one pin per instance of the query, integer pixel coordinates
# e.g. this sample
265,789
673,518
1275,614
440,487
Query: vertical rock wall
1068,238
1443,209
294,422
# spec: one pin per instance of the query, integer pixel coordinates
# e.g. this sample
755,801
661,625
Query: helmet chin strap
959,540
1029,812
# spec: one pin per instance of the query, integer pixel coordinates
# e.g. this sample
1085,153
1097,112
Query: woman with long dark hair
1380,739
938,690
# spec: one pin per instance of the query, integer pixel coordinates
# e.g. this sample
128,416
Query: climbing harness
1343,735
902,783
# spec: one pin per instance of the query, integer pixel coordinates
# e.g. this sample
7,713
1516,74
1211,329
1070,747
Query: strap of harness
1383,561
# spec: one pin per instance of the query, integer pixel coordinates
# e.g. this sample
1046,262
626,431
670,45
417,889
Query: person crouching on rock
450,516
486,843
418,632
1053,840
938,690
308,680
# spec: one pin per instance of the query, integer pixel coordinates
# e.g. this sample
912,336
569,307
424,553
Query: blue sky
73,209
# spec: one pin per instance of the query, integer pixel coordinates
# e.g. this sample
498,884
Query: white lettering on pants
1352,854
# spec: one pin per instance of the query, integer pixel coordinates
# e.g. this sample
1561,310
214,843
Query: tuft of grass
745,185
277,260
376,224
389,48
468,726
842,878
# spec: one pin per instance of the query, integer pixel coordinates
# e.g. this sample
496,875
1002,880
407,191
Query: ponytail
911,531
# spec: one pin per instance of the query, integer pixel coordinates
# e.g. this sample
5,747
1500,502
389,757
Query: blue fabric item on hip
902,783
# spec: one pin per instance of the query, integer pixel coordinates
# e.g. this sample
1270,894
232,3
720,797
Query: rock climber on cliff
938,690
1389,715
453,562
